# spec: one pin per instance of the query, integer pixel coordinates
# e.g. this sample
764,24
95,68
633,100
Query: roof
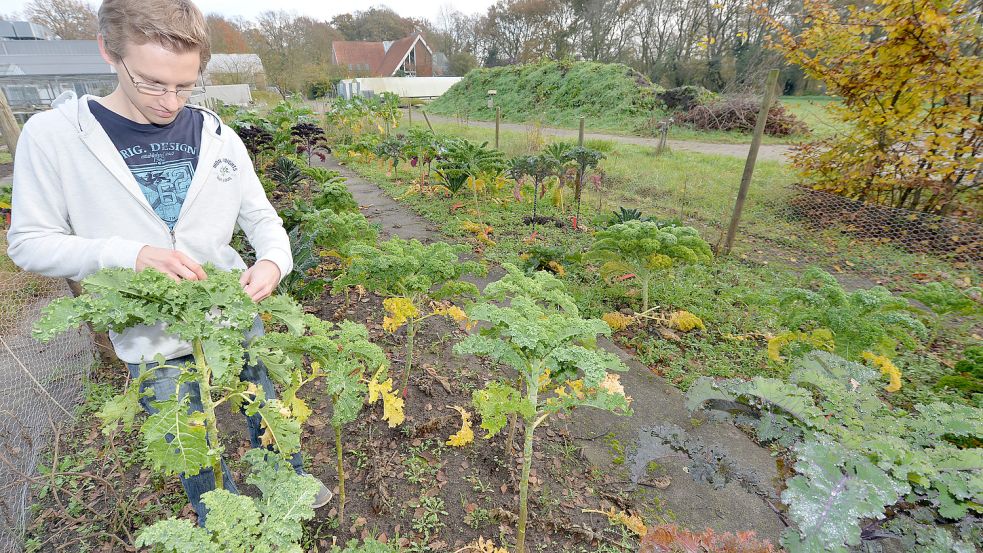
24,30
52,57
234,63
348,52
394,57
382,58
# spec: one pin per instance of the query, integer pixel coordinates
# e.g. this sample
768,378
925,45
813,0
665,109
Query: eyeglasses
158,90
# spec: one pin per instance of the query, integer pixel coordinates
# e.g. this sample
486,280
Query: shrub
908,74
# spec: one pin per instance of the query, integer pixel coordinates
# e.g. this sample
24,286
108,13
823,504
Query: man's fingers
258,292
191,265
185,272
245,277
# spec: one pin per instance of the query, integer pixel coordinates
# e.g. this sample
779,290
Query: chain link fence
40,386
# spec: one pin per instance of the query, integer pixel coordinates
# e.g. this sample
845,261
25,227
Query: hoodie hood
76,110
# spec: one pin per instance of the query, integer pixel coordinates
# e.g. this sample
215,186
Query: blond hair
176,25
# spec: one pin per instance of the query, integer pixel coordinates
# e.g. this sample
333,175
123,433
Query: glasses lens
186,93
153,90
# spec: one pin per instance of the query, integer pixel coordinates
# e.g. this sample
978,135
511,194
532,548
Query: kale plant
868,320
213,315
856,455
462,158
239,524
541,335
412,277
643,249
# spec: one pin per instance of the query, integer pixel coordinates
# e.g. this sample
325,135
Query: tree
277,39
69,19
909,73
226,35
374,24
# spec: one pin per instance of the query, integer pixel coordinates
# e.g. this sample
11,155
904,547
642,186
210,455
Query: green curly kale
856,453
870,319
338,231
643,249
213,315
405,268
541,336
238,524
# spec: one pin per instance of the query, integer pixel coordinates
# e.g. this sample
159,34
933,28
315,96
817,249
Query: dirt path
633,447
771,152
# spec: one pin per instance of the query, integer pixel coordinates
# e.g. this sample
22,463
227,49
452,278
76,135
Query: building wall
424,61
404,87
25,92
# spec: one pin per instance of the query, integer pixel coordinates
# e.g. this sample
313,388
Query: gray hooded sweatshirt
77,208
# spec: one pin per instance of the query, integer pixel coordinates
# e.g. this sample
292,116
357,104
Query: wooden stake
427,119
498,123
580,176
752,156
8,125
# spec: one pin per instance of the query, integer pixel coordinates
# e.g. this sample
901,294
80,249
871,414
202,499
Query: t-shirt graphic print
162,158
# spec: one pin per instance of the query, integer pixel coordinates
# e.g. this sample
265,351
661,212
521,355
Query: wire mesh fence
40,386
948,238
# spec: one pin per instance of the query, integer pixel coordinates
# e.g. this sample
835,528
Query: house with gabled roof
407,57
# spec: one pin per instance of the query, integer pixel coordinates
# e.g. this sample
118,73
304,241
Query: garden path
770,152
624,445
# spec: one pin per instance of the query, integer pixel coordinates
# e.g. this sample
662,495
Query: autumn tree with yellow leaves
910,76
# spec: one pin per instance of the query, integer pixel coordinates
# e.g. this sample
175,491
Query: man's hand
261,279
172,263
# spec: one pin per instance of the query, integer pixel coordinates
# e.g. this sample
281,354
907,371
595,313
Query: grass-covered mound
610,95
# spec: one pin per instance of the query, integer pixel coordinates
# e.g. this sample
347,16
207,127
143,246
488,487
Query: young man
138,179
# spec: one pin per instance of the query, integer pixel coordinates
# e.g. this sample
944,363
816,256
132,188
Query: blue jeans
163,384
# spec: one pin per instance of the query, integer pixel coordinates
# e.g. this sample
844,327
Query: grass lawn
811,109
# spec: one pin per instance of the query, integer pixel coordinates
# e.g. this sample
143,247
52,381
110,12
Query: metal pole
752,156
8,125
498,123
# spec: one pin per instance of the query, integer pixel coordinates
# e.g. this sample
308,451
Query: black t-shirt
162,158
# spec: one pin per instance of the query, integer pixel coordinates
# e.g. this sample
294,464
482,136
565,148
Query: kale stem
211,424
410,333
532,387
341,473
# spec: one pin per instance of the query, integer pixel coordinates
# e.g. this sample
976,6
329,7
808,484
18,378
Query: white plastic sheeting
405,87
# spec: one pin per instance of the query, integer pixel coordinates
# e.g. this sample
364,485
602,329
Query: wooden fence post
498,123
580,176
752,156
427,119
8,125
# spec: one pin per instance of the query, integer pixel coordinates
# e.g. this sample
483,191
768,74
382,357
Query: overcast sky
427,9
